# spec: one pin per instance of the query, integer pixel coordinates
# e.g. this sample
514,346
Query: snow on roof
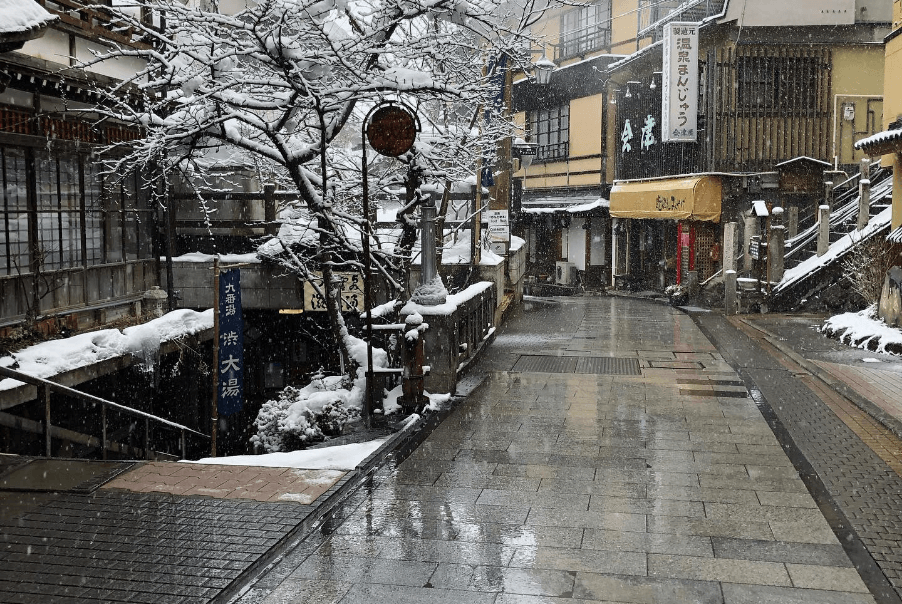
760,207
21,16
802,158
887,136
635,55
48,359
586,207
836,250
895,236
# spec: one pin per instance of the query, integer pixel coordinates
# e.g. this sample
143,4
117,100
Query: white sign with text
679,99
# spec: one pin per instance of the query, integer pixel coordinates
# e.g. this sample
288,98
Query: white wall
798,12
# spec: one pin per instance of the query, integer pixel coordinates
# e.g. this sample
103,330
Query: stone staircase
809,276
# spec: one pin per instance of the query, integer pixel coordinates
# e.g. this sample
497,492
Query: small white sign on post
499,226
679,98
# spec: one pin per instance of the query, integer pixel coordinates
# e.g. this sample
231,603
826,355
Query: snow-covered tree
283,85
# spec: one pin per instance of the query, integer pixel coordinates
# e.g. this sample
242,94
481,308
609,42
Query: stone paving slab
577,488
162,532
862,489
227,481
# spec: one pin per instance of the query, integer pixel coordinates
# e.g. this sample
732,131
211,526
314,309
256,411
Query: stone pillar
828,194
823,229
776,246
864,193
751,229
731,294
729,246
792,222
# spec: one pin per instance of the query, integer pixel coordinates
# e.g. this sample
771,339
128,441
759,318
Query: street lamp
543,68
526,152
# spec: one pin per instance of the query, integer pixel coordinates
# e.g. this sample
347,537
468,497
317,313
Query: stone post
828,194
731,294
751,229
776,245
729,247
864,192
792,222
823,229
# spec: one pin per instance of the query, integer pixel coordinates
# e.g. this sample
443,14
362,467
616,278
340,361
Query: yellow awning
684,198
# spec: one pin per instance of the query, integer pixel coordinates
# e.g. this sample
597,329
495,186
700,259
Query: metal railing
45,387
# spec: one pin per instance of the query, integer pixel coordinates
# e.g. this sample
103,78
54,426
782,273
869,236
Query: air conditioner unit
563,272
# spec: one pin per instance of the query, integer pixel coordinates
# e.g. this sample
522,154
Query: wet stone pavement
566,477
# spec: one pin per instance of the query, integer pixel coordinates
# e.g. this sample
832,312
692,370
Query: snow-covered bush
299,417
866,265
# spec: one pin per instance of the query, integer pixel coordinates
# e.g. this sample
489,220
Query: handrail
46,386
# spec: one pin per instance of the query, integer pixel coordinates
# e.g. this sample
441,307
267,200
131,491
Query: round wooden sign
392,130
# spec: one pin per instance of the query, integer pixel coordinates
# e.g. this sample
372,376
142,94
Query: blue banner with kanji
230,382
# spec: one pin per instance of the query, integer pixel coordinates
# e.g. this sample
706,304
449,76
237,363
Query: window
777,85
14,223
550,130
79,218
584,29
652,11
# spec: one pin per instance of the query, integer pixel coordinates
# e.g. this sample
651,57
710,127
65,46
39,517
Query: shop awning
684,198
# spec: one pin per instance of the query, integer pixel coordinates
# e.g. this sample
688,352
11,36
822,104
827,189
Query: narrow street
610,455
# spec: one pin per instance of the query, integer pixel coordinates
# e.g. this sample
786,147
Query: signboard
679,99
499,226
230,377
755,248
351,293
392,130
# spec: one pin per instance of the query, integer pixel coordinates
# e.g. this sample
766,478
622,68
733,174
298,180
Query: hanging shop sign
679,101
392,130
351,293
230,379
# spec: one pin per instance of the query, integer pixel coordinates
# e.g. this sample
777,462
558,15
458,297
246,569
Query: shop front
665,228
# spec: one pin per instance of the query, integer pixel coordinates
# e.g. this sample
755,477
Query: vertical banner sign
230,383
679,103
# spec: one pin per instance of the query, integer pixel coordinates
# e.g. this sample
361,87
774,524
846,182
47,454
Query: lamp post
543,68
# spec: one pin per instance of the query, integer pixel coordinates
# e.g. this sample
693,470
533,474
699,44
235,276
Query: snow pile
48,359
431,293
223,258
341,457
864,330
390,404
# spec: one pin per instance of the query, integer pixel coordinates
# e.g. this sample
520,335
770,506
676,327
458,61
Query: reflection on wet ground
667,486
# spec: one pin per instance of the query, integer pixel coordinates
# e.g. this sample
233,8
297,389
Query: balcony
584,41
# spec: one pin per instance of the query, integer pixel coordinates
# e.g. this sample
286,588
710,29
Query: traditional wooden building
774,92
74,252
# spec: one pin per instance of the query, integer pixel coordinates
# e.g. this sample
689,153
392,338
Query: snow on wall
51,358
451,304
